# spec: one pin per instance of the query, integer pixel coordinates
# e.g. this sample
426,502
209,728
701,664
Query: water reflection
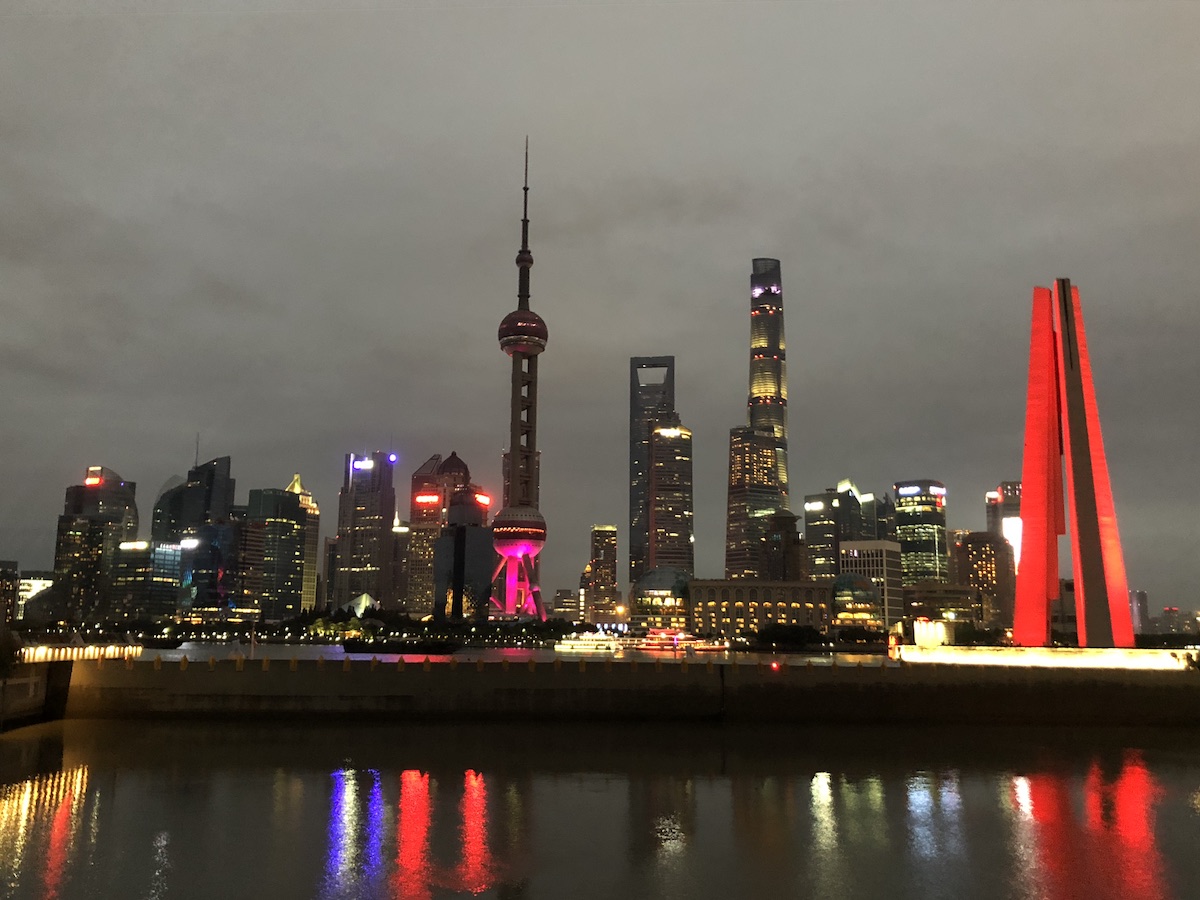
1101,824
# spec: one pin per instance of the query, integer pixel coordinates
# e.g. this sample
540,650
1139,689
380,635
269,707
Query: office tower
758,463
880,562
984,561
10,591
879,517
783,553
767,401
921,530
32,583
364,542
598,584
753,495
312,543
830,518
519,530
954,537
276,542
97,516
651,400
1139,610
1003,507
205,497
463,559
145,582
434,483
1062,438
672,542
199,515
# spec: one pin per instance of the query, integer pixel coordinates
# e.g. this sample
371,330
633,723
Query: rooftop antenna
196,464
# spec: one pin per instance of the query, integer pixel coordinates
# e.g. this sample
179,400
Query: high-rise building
598,584
984,561
206,497
1139,610
277,520
879,517
753,495
768,363
312,543
758,460
364,542
830,518
651,401
201,517
1063,443
878,561
672,541
10,591
783,553
98,516
464,559
434,483
1003,507
145,582
519,529
32,583
921,530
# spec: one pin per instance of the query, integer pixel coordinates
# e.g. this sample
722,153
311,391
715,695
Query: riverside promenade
593,690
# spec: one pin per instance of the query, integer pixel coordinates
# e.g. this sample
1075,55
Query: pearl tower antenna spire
519,531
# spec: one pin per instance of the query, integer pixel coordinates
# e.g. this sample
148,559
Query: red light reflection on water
412,837
1113,852
56,855
475,871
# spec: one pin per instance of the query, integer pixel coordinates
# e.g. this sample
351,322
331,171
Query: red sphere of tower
523,331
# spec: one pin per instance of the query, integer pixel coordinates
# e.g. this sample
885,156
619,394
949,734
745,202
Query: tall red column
1062,435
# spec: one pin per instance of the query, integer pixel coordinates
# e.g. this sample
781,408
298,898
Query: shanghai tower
758,468
519,531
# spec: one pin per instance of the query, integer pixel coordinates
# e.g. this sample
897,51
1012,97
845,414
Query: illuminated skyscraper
984,561
434,484
758,460
598,584
829,519
364,543
1003,506
519,530
312,543
768,364
98,516
651,400
672,543
753,495
921,531
276,539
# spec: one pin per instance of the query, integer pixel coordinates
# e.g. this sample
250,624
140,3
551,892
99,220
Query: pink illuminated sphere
523,331
518,531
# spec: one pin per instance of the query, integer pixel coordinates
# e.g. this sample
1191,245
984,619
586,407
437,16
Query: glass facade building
651,401
758,451
921,530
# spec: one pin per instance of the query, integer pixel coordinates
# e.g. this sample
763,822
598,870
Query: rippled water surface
328,810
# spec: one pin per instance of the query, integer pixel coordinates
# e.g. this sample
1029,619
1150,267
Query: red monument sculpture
1062,435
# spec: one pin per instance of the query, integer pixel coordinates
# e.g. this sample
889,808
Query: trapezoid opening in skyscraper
1062,438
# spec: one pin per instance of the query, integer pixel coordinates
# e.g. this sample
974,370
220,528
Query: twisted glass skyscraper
758,469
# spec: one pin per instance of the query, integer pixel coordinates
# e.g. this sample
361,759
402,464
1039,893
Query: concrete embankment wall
35,692
597,690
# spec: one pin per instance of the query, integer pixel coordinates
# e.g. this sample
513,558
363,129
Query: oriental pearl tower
518,530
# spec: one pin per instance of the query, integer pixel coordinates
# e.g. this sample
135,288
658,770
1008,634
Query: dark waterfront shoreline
621,691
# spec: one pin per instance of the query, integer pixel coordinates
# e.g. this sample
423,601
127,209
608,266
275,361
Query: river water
334,810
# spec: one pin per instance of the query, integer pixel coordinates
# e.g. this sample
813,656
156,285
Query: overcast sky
290,225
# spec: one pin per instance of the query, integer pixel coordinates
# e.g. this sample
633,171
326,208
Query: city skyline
325,279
